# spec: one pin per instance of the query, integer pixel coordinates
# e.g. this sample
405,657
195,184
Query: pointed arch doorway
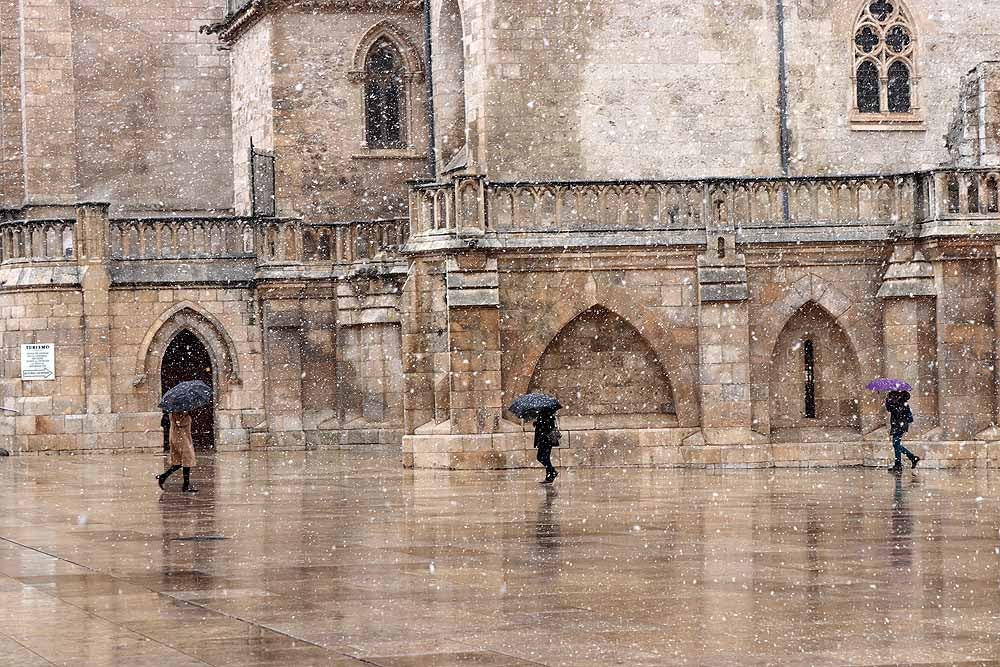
187,358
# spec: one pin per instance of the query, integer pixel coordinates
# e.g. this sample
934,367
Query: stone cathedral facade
704,226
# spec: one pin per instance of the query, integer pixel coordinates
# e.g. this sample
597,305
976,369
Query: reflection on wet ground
339,558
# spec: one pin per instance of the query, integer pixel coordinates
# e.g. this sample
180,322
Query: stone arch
599,364
187,316
524,359
812,348
772,321
397,36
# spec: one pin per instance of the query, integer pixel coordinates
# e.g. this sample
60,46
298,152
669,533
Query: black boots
187,488
550,476
898,467
161,479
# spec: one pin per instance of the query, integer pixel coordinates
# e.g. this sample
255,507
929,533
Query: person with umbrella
541,409
900,418
179,402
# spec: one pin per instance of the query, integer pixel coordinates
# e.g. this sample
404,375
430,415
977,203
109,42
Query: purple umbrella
885,384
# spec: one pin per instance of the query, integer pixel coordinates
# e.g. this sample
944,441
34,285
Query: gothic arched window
884,59
385,99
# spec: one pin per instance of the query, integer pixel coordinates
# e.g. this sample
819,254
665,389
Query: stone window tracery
385,106
885,69
387,70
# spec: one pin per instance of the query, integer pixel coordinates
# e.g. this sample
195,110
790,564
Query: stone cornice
234,25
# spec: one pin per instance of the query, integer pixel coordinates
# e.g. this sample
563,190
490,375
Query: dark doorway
187,359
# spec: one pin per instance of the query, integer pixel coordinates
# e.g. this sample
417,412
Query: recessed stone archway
599,364
772,320
523,360
815,379
209,332
387,29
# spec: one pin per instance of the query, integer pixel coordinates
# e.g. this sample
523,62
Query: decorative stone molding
394,33
186,315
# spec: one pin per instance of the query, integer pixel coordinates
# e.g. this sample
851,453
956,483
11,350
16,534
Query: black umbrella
187,397
533,406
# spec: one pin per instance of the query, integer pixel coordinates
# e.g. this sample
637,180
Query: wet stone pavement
339,558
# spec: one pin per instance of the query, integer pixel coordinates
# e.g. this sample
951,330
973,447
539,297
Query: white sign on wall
38,361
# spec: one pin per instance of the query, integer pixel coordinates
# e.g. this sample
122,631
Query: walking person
181,451
541,409
900,418
546,437
179,402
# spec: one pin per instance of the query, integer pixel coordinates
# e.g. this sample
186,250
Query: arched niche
816,386
600,365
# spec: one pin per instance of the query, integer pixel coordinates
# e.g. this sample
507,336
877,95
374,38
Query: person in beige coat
181,451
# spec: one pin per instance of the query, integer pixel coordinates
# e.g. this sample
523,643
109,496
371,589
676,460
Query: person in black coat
546,437
900,418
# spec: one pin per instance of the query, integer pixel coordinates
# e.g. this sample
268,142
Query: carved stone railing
475,206
451,208
181,238
294,242
24,241
271,241
965,194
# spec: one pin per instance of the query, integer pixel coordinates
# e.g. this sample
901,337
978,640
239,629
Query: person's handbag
555,436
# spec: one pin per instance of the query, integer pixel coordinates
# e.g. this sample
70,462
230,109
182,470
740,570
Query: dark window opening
384,108
954,196
881,9
898,38
973,194
992,199
262,203
809,359
899,88
866,39
869,88
721,247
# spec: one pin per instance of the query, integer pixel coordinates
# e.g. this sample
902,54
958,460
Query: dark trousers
545,458
899,450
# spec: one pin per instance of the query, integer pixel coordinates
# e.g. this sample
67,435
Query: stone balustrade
963,193
756,208
181,238
294,242
277,241
38,241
